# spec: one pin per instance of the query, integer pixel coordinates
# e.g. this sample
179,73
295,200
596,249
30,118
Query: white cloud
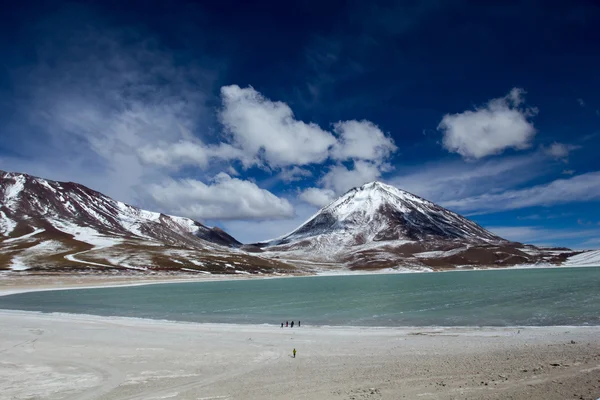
452,180
118,114
185,152
270,136
225,198
361,140
93,99
267,130
256,231
318,197
491,129
535,234
341,179
294,174
265,133
560,151
580,188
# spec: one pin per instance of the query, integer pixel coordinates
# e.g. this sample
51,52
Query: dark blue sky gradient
401,65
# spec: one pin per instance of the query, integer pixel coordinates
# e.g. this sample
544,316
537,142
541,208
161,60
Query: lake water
534,297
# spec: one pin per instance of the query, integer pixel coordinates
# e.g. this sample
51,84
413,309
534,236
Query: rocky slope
379,226
47,225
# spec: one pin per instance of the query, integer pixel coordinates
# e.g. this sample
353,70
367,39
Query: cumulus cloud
499,125
269,135
318,197
340,178
361,140
185,152
224,198
580,188
268,131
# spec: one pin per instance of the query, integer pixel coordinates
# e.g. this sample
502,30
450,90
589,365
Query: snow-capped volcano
380,226
378,212
52,225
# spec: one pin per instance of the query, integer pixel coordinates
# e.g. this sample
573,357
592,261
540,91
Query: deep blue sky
252,116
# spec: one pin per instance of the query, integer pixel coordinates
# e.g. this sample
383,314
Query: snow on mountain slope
378,212
374,216
65,226
6,224
379,226
585,259
28,202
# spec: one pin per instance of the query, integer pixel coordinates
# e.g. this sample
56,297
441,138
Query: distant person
292,324
294,351
298,324
282,324
286,324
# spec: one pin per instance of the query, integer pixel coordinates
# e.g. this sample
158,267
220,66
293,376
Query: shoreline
361,328
43,283
15,284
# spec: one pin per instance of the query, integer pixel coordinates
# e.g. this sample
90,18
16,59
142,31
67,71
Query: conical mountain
378,212
380,226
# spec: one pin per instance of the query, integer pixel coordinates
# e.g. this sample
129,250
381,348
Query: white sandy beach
61,356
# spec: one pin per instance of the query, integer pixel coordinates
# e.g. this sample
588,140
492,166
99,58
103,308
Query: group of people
290,325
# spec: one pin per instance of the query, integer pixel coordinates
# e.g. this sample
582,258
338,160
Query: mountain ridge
40,217
64,226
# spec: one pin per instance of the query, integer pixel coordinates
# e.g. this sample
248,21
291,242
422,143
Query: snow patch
585,259
47,185
7,225
195,270
26,259
186,224
237,271
12,191
136,260
35,232
86,235
440,254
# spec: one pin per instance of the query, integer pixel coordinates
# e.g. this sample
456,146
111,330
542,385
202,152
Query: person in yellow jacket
294,353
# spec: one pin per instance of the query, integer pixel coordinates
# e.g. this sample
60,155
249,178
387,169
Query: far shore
13,283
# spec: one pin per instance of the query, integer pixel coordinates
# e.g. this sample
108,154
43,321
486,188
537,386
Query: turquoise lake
527,297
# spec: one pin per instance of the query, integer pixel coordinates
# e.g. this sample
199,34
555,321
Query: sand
61,356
